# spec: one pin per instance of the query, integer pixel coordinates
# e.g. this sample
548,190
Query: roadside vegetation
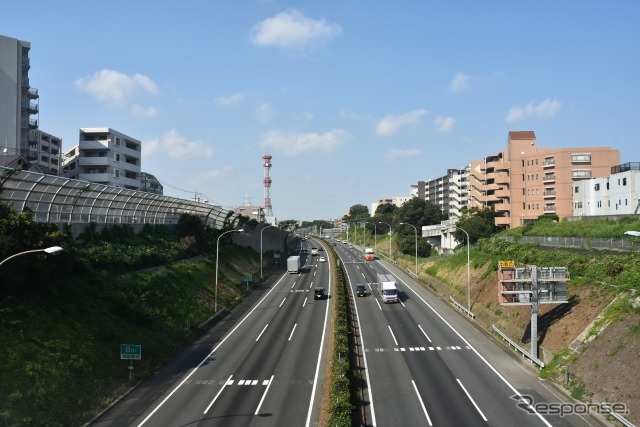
60,333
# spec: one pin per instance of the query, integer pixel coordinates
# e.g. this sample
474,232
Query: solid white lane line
218,394
425,334
472,401
263,329
294,328
263,396
285,298
393,336
424,409
209,355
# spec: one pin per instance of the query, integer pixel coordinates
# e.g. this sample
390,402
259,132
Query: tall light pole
260,247
468,271
416,232
215,304
51,250
388,225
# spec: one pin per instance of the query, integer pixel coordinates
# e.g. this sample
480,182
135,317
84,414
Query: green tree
479,223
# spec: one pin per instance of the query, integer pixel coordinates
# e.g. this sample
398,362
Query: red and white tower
268,212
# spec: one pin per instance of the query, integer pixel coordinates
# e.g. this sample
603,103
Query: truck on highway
314,251
293,264
369,255
387,288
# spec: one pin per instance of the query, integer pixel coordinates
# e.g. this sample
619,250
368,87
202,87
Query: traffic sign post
247,278
130,352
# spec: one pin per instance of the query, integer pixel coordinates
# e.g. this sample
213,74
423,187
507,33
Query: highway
425,364
266,370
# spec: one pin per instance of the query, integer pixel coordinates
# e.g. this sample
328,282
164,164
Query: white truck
293,264
387,288
314,251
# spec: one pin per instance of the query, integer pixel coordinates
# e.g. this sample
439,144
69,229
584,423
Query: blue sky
355,100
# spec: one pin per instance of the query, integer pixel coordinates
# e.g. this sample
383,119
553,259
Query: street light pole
261,247
215,304
388,225
51,250
416,233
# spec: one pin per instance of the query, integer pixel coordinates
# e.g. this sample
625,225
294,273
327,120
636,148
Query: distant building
524,181
104,156
450,192
616,194
396,201
253,212
150,184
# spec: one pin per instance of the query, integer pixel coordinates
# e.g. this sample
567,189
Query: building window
116,173
576,189
117,142
116,157
597,187
624,181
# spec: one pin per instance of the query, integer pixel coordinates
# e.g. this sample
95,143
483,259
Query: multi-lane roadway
427,365
267,369
423,363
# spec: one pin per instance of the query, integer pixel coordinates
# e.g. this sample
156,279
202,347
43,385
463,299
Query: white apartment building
616,194
396,201
105,156
450,192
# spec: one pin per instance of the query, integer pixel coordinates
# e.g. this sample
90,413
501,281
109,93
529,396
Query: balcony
549,163
549,209
581,158
502,194
502,220
502,207
549,177
549,194
580,174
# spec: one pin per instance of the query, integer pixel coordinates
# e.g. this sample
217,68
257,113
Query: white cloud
395,154
291,30
444,124
178,147
234,99
292,144
544,110
217,173
150,147
143,112
459,82
264,112
390,124
113,87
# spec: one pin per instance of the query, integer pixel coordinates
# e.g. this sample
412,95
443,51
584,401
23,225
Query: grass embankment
60,349
601,284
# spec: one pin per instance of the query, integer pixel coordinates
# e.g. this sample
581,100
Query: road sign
130,351
247,278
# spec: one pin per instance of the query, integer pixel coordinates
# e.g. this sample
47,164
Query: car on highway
318,293
322,259
361,290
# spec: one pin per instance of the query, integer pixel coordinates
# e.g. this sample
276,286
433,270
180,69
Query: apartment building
19,107
105,156
450,192
612,195
525,181
396,201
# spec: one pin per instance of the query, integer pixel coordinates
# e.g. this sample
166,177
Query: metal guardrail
517,347
212,318
625,244
617,416
462,307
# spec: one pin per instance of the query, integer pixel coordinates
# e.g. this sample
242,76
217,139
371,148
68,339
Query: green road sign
247,278
130,351
276,255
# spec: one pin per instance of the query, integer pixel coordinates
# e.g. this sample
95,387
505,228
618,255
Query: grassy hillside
593,339
60,345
